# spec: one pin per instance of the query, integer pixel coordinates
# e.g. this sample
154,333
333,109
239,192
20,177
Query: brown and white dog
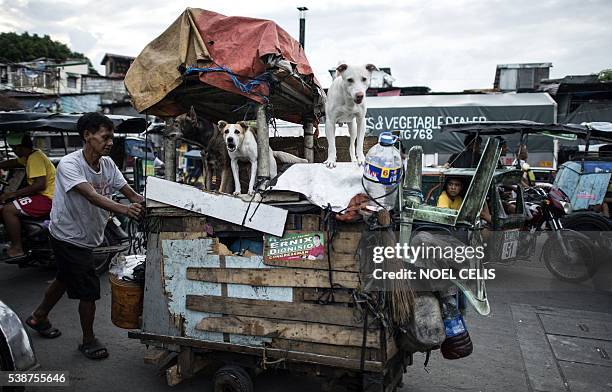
346,104
242,146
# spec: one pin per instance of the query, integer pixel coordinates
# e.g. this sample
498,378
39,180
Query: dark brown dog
215,158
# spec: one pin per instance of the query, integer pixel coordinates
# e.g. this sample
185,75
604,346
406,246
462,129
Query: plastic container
382,173
126,303
458,343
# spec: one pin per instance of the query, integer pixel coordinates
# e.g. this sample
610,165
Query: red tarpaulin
208,40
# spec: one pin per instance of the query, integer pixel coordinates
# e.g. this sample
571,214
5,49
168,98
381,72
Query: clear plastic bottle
382,172
458,343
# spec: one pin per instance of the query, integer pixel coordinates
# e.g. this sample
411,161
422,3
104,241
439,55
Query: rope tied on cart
247,88
248,106
329,224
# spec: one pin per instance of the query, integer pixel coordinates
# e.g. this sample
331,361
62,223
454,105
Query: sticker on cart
296,246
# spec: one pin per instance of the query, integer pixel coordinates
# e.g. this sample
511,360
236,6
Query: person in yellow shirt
451,195
35,199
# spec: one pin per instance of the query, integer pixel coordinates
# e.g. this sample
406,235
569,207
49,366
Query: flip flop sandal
94,350
45,330
13,259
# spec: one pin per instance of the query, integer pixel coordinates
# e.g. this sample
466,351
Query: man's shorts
36,206
75,269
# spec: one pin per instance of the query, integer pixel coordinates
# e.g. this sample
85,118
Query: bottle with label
457,343
382,173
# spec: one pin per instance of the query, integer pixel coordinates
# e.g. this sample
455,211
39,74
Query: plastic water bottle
382,172
458,343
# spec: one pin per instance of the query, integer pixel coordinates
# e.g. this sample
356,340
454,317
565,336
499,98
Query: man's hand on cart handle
134,210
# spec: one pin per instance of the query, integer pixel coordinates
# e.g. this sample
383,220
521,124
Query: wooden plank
303,331
195,224
222,264
182,235
340,295
267,219
325,314
310,222
166,210
168,223
348,352
271,353
173,376
281,277
185,362
346,242
339,262
155,204
156,315
298,295
154,355
280,196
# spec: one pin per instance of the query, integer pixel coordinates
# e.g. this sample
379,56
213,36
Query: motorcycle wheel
577,266
102,260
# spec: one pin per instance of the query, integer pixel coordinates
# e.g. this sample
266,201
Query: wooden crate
197,296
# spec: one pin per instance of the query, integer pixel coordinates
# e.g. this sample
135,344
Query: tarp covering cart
221,63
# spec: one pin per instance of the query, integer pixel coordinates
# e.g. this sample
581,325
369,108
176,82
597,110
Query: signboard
295,246
418,119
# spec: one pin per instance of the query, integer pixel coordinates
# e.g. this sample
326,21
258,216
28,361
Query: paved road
529,342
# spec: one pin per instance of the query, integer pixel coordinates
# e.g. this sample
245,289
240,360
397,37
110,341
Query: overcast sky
447,45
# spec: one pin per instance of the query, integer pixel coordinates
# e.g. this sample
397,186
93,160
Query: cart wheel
233,378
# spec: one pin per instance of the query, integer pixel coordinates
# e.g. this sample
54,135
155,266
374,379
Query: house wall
66,71
68,103
111,89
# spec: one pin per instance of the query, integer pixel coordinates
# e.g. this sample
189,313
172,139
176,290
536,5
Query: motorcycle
566,253
38,251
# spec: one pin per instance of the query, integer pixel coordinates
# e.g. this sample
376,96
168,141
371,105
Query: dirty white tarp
322,186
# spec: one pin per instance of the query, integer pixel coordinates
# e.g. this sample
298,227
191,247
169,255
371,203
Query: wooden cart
243,316
237,314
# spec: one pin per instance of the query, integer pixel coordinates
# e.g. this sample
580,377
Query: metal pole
302,25
169,151
263,148
555,153
410,195
309,141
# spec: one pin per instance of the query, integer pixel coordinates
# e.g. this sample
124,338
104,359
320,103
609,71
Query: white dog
242,146
346,104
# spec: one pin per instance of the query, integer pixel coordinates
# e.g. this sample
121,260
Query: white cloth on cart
321,185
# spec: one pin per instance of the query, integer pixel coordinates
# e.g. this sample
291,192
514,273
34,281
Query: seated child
451,196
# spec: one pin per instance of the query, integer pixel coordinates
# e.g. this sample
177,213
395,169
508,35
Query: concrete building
116,64
581,98
68,86
520,77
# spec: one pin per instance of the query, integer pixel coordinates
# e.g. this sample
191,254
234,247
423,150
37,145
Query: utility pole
302,25
59,97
